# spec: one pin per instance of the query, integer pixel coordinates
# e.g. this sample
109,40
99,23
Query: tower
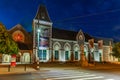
42,34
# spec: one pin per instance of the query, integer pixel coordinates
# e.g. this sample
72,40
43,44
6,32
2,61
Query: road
61,74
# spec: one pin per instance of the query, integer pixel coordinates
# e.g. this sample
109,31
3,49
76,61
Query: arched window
56,48
26,57
6,58
76,52
67,49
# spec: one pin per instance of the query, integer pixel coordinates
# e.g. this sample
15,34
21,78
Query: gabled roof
18,27
27,44
42,13
71,35
67,35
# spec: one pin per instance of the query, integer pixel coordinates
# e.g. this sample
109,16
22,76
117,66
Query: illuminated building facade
48,44
56,45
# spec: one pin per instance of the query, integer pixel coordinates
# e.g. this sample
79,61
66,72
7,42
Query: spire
42,13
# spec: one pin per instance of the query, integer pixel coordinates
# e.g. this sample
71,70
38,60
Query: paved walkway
4,69
16,70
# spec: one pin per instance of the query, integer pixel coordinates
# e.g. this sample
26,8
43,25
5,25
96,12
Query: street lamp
38,32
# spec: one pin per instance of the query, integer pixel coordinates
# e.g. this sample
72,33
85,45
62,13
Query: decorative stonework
81,39
18,36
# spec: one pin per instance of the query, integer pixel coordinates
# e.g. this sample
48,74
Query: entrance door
66,55
42,54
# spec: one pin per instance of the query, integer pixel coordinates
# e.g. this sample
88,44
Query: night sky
99,18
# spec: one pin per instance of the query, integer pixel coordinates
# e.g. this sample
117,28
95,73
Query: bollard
38,67
25,67
8,68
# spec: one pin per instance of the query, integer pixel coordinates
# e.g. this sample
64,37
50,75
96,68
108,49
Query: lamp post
37,59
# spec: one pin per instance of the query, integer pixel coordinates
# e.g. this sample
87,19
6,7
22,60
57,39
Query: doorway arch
26,57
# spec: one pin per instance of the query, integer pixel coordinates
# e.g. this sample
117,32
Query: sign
44,42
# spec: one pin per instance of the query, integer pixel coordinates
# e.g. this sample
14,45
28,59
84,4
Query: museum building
52,44
48,44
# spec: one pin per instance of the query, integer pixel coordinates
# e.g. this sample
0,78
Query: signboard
44,42
44,32
43,35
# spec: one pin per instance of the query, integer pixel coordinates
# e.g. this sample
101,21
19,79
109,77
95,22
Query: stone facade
62,45
49,44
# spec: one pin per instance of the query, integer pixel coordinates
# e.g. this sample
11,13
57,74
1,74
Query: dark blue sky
96,17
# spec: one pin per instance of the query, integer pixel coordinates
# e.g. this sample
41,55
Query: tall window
66,55
76,55
42,54
56,55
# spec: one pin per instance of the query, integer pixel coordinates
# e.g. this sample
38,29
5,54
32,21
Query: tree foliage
7,44
116,50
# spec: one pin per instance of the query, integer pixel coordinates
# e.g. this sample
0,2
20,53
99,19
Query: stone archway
76,53
67,54
6,58
26,57
56,51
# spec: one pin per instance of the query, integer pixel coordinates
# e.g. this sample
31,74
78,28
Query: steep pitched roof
71,35
17,27
42,13
67,35
28,38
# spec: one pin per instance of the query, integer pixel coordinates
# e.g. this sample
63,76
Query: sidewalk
5,69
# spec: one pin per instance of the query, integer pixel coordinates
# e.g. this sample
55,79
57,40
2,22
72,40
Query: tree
116,50
7,44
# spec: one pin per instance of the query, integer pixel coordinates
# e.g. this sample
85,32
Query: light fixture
39,30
